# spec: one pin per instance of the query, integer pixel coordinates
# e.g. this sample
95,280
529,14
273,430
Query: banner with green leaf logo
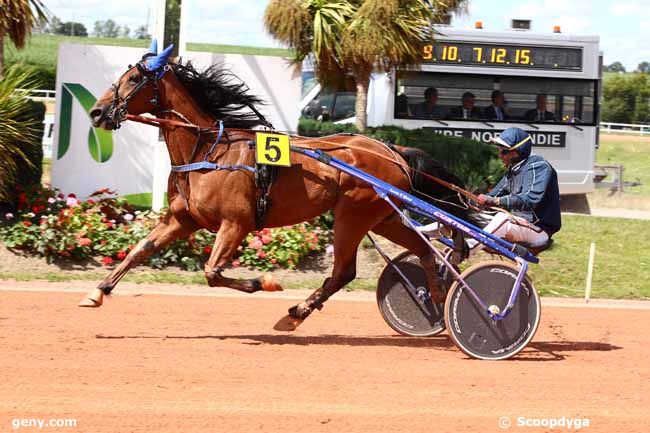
100,141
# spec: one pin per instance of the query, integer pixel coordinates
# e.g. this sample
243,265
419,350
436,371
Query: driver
529,191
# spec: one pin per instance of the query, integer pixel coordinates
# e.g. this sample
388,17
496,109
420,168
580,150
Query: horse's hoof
269,284
287,324
94,300
300,311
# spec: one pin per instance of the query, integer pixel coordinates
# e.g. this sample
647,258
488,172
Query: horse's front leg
229,237
168,230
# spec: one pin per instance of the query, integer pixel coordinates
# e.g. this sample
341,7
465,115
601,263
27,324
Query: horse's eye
134,79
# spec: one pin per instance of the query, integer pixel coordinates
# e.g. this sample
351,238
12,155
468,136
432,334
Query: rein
161,123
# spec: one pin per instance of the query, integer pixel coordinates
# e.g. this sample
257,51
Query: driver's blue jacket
530,190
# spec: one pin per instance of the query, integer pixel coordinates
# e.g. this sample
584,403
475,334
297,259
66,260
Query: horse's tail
434,192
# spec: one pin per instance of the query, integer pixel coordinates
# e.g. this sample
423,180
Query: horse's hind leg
168,230
229,238
349,230
395,231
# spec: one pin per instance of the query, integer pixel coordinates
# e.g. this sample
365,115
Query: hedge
475,163
29,174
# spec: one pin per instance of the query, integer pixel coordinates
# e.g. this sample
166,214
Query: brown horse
224,201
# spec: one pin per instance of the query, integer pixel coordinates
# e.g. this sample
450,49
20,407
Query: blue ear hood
156,63
153,49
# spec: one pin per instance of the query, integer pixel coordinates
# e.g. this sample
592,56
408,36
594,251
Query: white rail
624,128
39,94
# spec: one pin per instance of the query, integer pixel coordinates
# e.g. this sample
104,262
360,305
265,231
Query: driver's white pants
515,229
503,225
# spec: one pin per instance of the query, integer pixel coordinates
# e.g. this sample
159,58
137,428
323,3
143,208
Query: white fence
624,128
39,95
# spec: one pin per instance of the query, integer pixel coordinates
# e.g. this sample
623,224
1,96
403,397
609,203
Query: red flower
261,254
236,263
266,239
207,250
22,200
27,223
121,255
72,195
84,242
103,242
107,261
90,201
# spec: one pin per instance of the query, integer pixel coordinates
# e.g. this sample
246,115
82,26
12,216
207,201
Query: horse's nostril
96,113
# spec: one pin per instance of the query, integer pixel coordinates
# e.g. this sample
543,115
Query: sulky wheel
412,314
477,334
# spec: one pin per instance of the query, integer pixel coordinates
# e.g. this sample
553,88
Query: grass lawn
622,261
634,153
42,49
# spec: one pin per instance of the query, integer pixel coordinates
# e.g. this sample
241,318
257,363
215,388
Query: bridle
118,111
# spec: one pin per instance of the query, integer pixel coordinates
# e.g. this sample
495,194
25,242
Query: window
518,99
331,106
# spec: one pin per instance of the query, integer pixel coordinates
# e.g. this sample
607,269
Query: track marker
590,271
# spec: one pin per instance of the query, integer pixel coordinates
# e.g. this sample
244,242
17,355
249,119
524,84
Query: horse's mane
220,93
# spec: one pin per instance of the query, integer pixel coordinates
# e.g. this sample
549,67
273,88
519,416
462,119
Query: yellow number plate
272,149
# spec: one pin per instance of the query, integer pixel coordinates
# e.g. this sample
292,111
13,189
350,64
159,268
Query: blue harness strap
206,165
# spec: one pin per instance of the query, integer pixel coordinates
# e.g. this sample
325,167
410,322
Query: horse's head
135,92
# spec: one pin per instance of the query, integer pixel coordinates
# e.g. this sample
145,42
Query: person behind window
467,110
402,106
428,109
497,110
539,114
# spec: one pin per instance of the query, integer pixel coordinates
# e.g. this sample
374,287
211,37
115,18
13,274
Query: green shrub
54,226
475,163
30,169
20,134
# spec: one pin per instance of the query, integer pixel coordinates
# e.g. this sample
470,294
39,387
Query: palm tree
19,128
17,18
351,38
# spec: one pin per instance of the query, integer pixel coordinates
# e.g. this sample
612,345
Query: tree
70,28
17,18
106,29
626,99
126,32
644,67
615,67
350,38
141,33
172,24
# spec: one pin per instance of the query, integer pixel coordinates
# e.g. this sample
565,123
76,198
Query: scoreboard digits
535,57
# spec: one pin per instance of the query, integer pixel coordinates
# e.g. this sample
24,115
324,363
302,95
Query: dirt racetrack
184,364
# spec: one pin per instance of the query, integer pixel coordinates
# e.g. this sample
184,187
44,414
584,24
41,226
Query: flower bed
55,226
